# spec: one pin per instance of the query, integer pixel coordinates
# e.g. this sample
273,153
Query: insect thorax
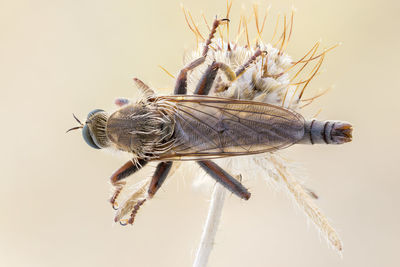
141,129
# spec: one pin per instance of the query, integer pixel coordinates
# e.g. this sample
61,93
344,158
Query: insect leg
135,211
215,25
224,179
159,176
243,68
138,198
207,79
126,170
216,172
131,206
181,81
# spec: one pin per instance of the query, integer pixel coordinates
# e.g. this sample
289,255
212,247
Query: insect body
200,128
196,127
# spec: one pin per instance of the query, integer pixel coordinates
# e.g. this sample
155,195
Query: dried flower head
274,78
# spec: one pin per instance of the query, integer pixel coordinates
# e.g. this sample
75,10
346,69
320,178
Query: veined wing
211,127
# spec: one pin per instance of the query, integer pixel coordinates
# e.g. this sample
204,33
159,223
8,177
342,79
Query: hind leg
211,168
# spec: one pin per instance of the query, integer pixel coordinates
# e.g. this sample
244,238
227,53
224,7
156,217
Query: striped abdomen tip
326,132
342,132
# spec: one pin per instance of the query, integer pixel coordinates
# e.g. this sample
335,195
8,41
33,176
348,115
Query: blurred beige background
59,57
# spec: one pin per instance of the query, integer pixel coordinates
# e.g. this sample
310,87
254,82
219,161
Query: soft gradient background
59,57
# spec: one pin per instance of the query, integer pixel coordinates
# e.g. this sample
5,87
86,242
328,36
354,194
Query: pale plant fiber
211,226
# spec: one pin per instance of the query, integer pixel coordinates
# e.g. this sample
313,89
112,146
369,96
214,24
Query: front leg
119,175
144,191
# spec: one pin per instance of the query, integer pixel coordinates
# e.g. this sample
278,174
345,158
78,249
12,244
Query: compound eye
88,137
91,113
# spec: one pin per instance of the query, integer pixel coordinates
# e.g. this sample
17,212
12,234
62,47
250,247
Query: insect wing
210,127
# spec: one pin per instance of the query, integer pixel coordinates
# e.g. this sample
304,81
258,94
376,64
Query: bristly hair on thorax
153,128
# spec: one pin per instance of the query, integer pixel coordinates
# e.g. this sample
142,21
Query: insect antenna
77,127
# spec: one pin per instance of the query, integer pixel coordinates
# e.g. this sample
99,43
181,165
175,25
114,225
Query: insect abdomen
326,132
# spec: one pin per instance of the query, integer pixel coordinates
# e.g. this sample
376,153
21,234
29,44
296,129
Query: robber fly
200,128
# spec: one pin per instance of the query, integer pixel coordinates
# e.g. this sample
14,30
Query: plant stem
210,227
